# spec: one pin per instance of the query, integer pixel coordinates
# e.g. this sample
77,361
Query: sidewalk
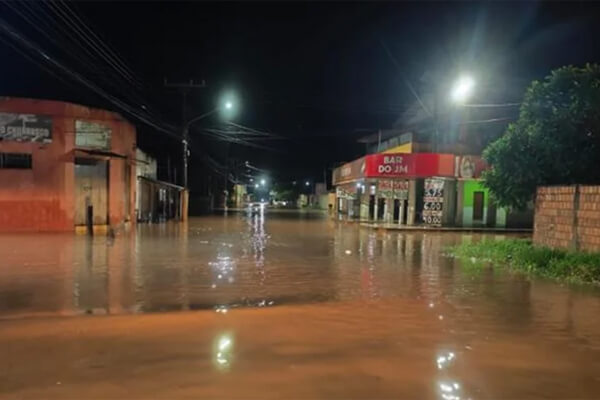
396,227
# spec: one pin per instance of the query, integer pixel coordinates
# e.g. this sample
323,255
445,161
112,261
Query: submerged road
283,305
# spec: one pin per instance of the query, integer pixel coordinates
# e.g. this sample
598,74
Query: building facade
156,200
432,189
64,165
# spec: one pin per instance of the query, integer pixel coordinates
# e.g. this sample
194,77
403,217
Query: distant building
416,174
156,201
401,185
62,165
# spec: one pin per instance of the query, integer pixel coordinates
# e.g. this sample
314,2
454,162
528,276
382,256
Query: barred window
15,160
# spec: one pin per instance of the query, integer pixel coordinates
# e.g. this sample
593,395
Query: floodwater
284,305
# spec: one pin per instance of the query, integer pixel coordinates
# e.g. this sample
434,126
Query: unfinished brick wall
568,217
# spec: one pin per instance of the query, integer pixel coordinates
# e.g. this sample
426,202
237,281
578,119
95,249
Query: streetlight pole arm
198,118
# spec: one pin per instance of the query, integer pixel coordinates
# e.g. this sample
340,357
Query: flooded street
283,305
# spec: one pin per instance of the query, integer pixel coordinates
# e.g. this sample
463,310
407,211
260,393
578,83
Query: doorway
404,220
91,191
396,216
372,207
478,203
380,209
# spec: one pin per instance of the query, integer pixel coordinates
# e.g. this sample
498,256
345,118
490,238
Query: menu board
433,201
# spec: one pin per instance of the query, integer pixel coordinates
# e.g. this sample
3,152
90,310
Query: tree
555,141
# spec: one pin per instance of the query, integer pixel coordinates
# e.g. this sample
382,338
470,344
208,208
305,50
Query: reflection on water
222,351
354,312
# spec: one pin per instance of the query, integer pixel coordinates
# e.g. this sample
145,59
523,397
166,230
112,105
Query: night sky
317,74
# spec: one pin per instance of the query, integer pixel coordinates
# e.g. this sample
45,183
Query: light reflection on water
393,297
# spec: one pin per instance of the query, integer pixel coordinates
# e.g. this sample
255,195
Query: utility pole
184,89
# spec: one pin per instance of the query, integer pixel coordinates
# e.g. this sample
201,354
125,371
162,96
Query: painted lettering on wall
25,127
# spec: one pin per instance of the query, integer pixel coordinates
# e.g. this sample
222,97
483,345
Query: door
380,209
396,211
372,206
91,189
404,212
478,200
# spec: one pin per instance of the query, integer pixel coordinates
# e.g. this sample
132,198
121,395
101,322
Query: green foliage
556,139
286,192
521,255
287,195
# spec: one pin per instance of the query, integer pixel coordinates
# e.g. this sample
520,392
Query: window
15,160
478,206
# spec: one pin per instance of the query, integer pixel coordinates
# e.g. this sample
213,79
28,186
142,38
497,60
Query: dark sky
315,73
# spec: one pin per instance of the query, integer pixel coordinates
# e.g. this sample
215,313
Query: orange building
64,165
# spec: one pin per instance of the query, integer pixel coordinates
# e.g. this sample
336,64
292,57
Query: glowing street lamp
307,183
256,185
226,108
463,89
263,182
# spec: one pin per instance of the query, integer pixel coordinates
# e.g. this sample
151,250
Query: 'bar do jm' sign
389,164
25,127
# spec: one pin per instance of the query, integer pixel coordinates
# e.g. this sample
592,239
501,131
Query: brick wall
568,217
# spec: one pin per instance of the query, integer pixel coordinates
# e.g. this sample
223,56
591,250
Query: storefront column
364,202
460,187
412,202
449,209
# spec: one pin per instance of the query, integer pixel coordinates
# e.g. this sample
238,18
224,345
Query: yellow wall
403,148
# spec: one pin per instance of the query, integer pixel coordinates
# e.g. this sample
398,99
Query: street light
307,183
226,107
463,89
256,185
263,182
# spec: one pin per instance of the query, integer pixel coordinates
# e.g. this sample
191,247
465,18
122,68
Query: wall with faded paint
42,198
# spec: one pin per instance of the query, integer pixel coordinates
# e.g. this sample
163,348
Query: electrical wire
32,47
63,38
113,54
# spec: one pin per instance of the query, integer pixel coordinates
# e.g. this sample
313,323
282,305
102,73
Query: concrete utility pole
184,89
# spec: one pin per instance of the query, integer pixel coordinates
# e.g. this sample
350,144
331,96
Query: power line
63,39
96,45
113,54
32,47
406,81
101,56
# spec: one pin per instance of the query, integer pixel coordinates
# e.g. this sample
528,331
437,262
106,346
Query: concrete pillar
185,198
449,208
413,195
460,198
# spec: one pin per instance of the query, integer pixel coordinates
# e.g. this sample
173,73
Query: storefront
432,189
388,187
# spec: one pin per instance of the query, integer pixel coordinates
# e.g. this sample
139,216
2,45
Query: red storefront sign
396,165
415,165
